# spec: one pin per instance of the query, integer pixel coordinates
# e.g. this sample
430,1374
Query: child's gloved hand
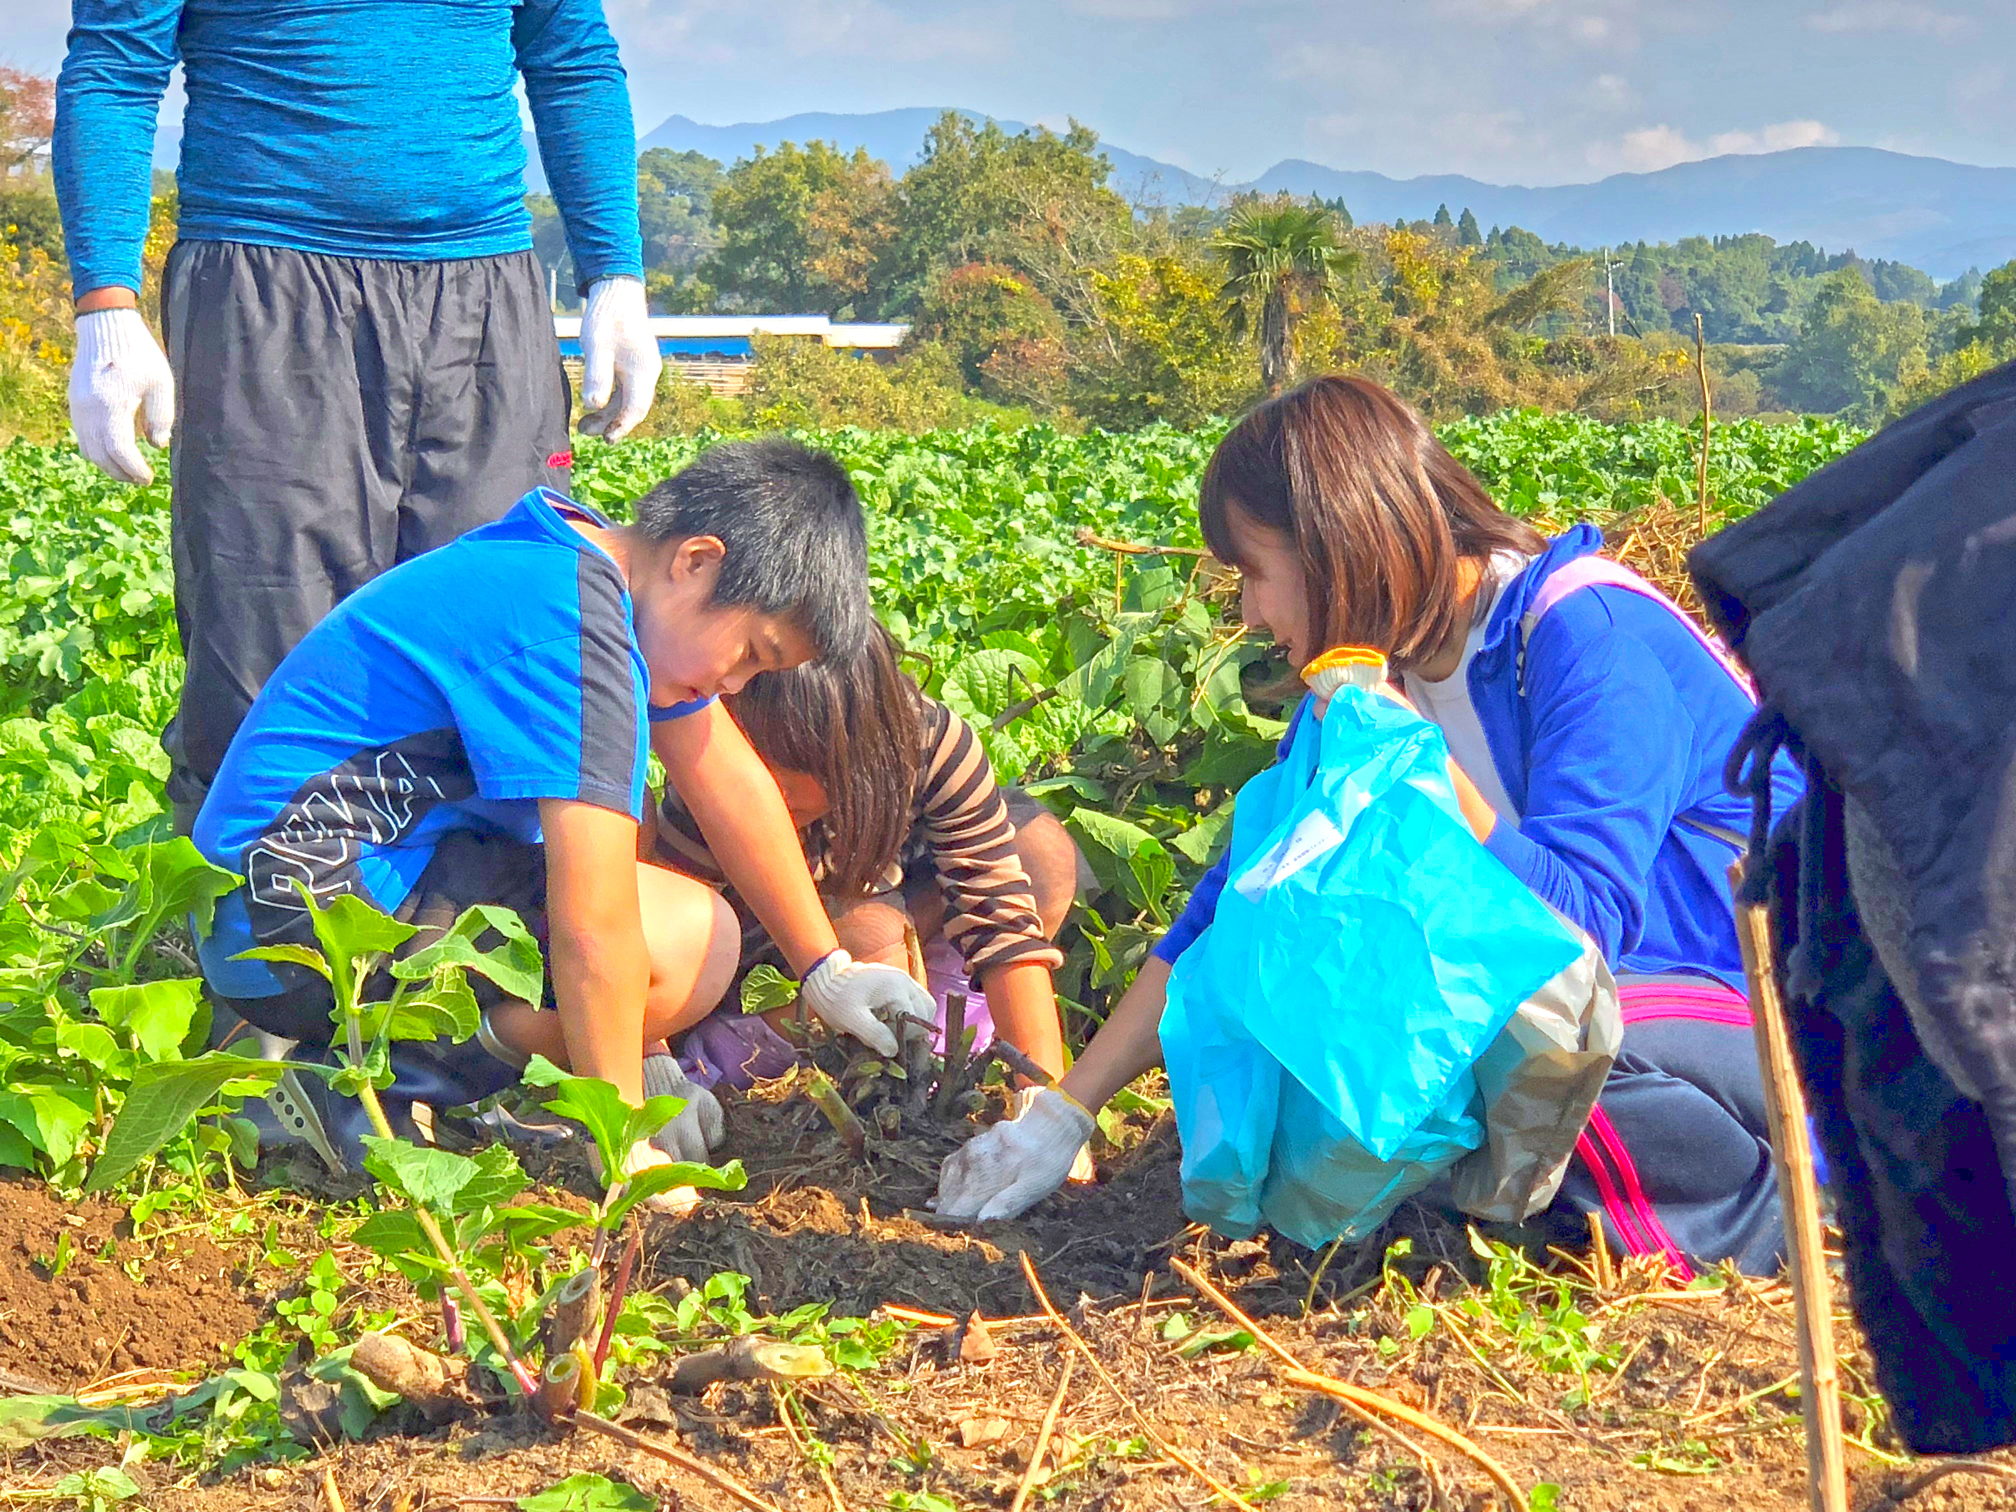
1018,1162
694,1129
844,994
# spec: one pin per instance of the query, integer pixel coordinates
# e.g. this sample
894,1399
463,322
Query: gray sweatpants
335,416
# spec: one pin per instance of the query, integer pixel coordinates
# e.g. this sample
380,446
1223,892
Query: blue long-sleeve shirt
1613,753
355,128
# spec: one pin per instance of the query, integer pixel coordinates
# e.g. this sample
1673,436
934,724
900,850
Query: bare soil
1701,1414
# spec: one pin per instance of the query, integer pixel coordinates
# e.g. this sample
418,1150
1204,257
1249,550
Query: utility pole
1610,289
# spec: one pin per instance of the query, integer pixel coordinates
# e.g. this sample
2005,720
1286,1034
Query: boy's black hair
792,528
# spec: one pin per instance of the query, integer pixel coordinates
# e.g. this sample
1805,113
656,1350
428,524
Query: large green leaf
599,1108
156,1014
655,1179
514,963
353,933
164,1097
51,1116
425,1176
444,1008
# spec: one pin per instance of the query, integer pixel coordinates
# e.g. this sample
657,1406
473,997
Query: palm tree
1276,255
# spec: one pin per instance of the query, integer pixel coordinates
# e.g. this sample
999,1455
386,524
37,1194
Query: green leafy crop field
1116,686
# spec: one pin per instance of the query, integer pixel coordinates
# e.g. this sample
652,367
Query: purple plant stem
616,1294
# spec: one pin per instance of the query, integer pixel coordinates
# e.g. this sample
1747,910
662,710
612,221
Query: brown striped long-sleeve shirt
959,827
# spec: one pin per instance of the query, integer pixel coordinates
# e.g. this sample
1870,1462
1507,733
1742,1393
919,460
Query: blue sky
1513,91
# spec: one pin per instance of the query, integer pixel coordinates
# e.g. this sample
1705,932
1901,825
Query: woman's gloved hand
844,994
1018,1162
696,1128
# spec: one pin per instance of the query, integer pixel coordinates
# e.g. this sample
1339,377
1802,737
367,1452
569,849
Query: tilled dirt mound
80,1300
1694,1413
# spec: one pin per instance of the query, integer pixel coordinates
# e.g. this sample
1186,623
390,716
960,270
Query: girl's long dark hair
859,729
1379,510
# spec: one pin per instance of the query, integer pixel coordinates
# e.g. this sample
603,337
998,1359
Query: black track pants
335,416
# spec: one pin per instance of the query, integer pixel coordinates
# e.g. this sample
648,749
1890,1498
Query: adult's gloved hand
119,371
696,1128
844,993
1018,1162
619,358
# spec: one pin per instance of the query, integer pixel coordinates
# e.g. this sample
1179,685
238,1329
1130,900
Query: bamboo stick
1792,1158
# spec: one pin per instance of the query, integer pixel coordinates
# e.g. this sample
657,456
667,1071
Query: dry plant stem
1086,537
720,1480
1599,1251
1169,1450
953,1072
1951,1467
1012,1057
1043,1432
573,1310
382,1126
329,1492
616,1295
798,1442
1316,1280
827,1099
1701,369
1792,1156
1355,1396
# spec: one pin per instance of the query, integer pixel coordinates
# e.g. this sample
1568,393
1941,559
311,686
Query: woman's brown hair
859,729
1379,511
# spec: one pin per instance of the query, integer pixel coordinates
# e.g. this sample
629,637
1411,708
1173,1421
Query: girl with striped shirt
903,823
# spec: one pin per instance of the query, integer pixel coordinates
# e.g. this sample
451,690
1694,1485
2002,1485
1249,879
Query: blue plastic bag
1365,952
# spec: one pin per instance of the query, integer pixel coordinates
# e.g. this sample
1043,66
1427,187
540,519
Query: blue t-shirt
454,692
353,128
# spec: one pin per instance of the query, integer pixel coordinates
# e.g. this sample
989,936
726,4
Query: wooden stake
1048,1427
1799,1192
1701,370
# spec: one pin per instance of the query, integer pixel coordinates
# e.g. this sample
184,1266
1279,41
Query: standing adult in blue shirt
360,358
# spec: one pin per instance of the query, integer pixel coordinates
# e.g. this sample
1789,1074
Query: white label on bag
1311,840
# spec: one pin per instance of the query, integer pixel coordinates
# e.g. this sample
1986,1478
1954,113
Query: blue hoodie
1614,758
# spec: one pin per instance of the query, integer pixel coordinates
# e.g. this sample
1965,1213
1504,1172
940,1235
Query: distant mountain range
1940,216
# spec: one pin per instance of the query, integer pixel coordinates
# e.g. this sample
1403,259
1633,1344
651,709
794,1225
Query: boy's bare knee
873,932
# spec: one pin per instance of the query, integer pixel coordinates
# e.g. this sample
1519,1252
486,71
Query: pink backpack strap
1592,571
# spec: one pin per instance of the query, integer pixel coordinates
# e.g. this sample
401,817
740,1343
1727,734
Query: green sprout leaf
765,988
514,965
588,1492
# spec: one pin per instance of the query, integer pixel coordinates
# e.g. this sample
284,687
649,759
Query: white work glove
119,370
696,1128
844,993
1018,1162
619,358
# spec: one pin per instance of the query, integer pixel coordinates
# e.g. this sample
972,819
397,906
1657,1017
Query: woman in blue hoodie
1587,721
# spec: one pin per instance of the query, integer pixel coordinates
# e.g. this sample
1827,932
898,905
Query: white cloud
1782,136
1651,148
1888,16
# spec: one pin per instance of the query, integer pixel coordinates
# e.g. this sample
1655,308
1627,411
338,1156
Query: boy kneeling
472,727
